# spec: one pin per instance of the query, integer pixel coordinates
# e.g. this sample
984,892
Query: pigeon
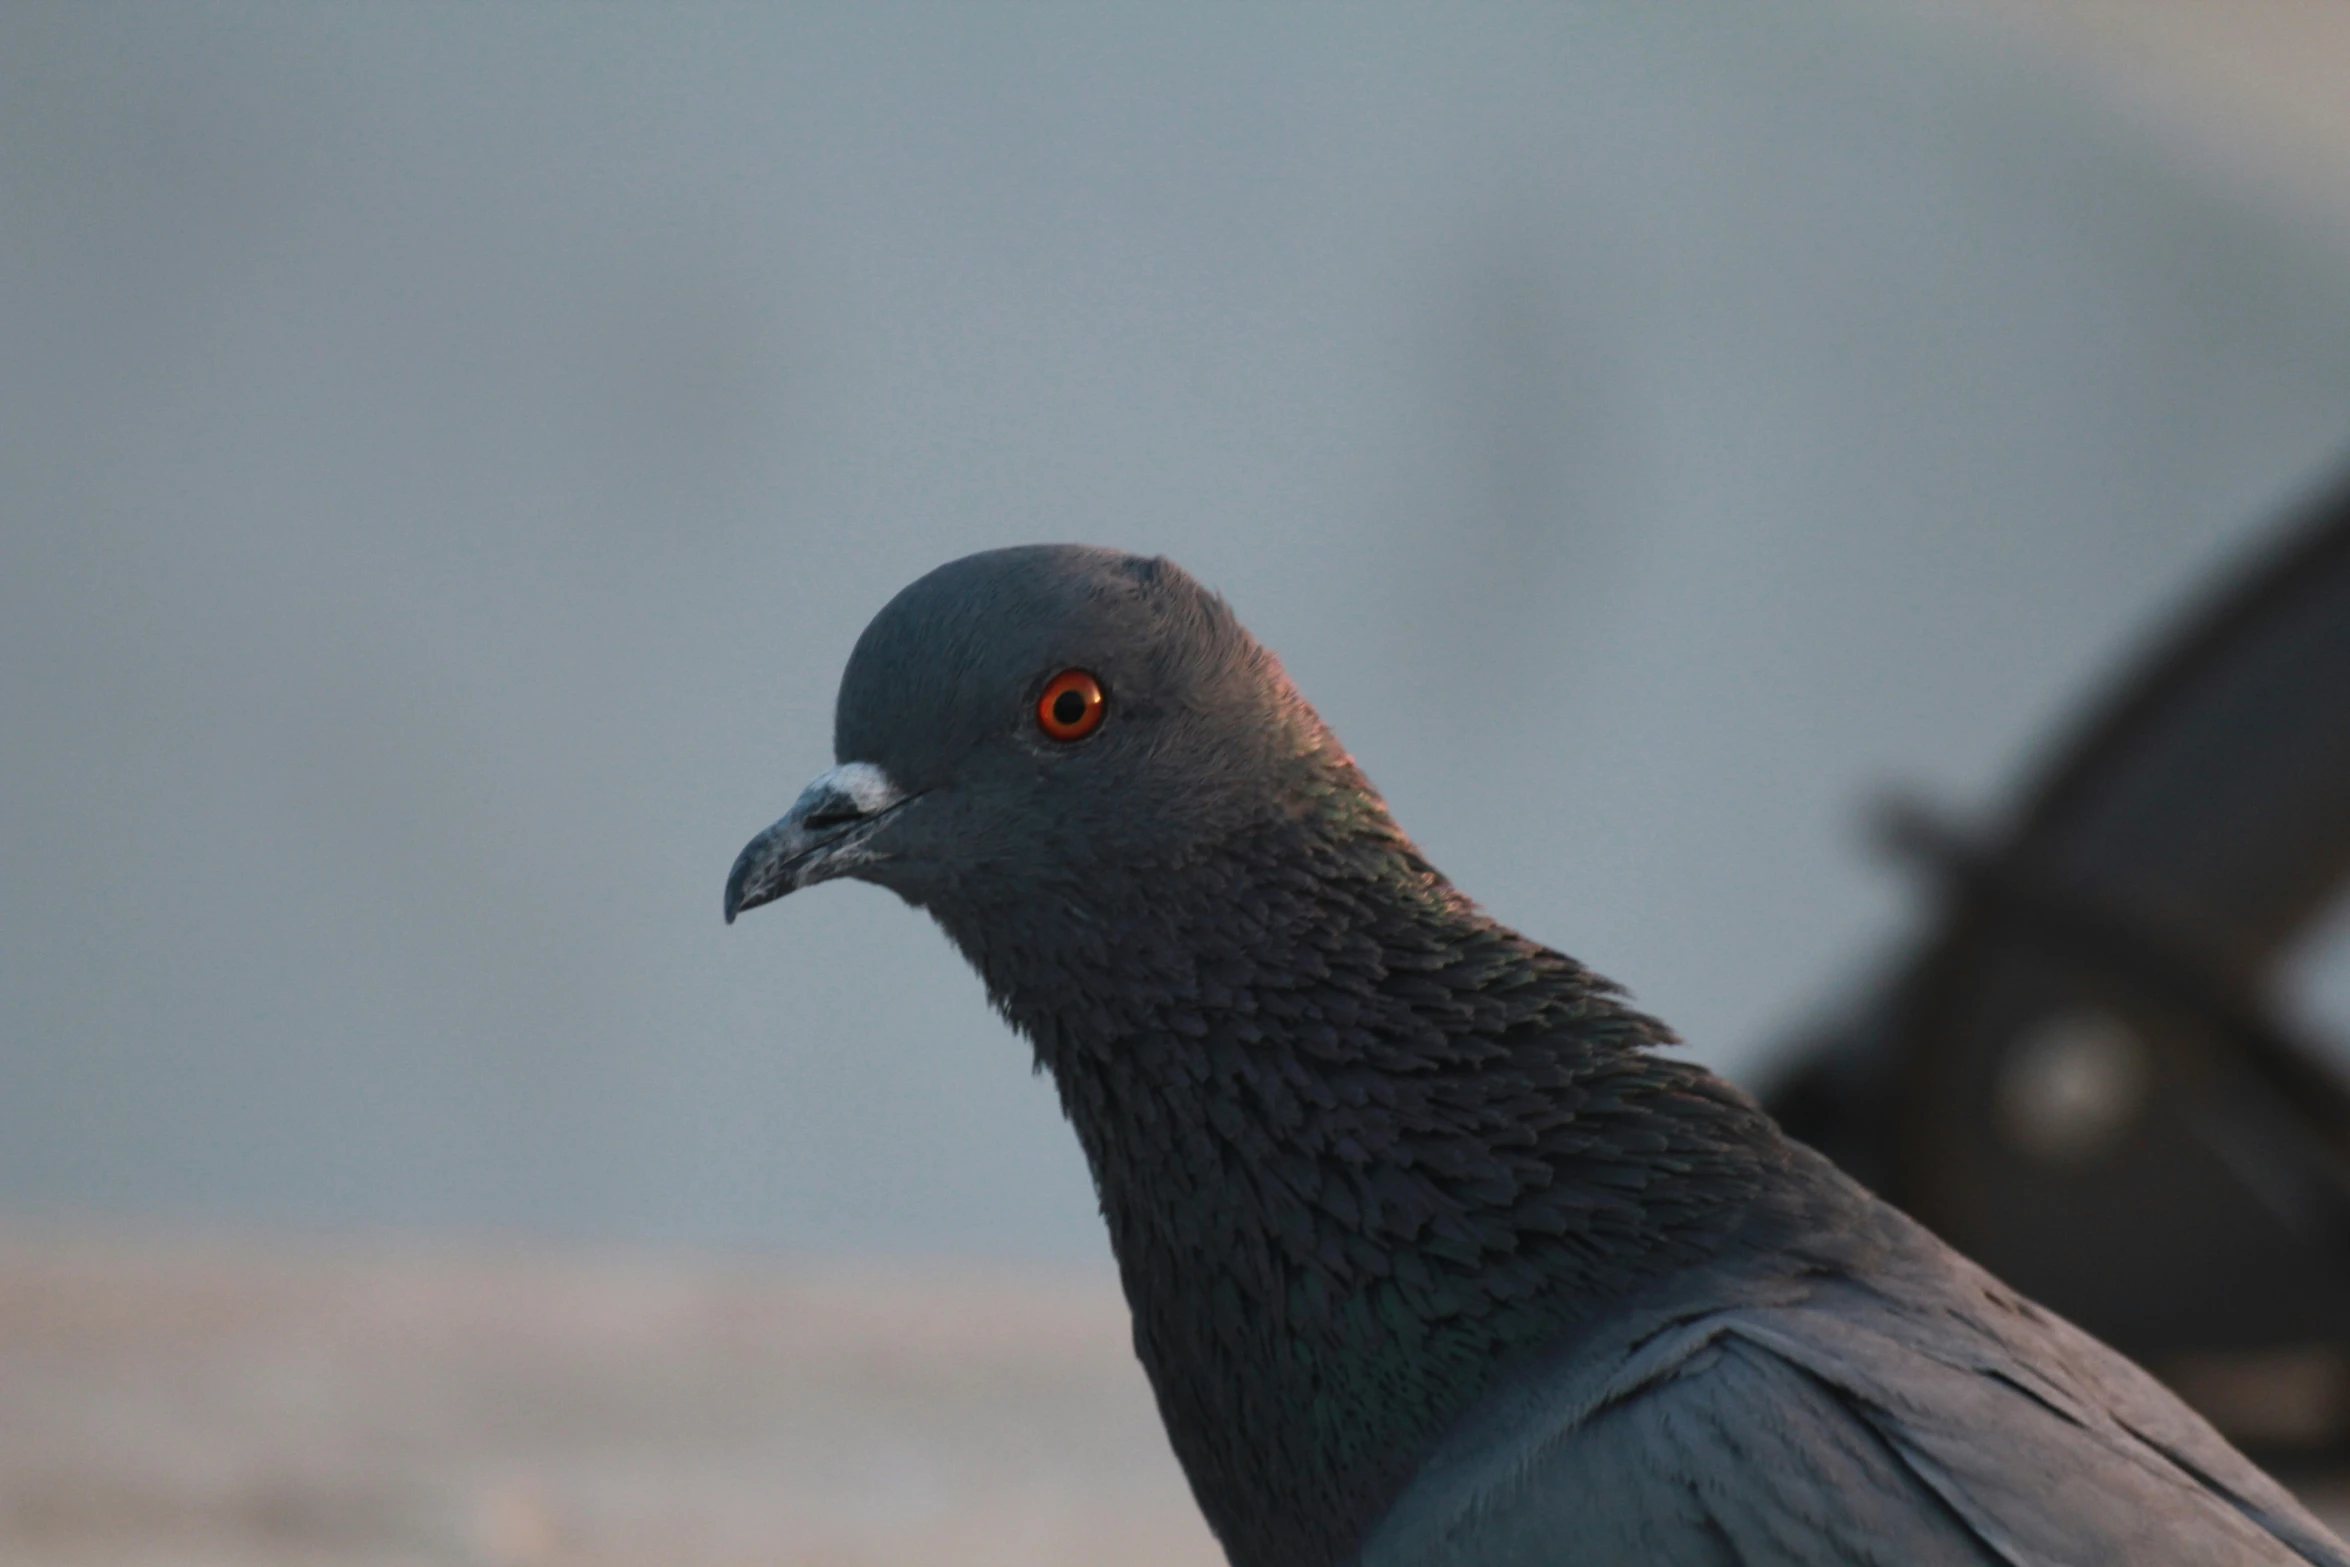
1435,1255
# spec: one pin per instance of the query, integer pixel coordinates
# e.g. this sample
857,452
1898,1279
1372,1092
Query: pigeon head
1038,726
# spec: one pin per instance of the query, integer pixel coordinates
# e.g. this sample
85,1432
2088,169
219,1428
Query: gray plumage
1871,1398
1435,1257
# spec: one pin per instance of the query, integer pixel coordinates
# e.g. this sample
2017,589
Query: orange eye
1072,706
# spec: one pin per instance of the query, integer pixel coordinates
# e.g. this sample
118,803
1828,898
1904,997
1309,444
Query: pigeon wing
1862,1425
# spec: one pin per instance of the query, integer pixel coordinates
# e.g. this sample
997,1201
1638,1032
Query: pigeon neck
1359,1148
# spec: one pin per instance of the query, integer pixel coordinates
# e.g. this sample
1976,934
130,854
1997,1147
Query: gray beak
822,836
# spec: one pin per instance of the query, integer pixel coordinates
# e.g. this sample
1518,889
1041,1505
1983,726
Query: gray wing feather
1922,1417
1739,1459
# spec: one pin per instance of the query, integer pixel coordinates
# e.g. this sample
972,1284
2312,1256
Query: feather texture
1436,1258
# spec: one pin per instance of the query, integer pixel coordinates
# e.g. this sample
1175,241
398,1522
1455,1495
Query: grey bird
1434,1256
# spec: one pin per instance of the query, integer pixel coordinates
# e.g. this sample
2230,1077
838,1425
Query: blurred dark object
2081,1078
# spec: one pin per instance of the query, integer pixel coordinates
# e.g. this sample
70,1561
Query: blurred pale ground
228,1406
445,454
193,1405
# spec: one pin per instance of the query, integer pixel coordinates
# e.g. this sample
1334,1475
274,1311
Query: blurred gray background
446,454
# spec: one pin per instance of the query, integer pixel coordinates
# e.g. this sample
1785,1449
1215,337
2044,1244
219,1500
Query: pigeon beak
822,836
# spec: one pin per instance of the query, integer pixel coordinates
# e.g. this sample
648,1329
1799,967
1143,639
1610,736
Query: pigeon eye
1072,706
